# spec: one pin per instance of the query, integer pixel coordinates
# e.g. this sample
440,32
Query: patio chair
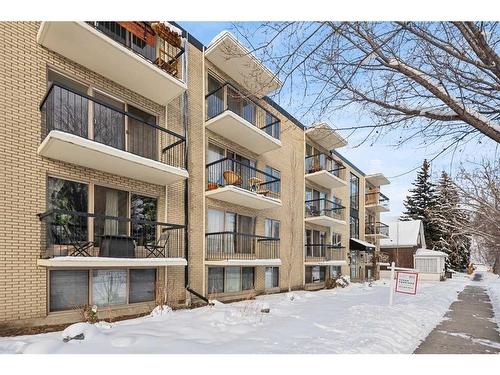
159,248
80,247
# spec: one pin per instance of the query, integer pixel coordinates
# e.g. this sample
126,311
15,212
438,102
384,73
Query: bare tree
479,191
291,203
437,80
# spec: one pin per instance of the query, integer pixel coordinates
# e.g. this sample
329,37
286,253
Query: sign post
391,284
406,282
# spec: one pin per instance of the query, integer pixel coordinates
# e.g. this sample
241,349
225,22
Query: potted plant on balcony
212,185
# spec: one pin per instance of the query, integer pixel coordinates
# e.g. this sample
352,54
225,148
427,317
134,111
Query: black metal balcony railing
376,199
324,207
323,252
68,233
232,245
377,229
228,98
67,110
165,54
228,171
323,162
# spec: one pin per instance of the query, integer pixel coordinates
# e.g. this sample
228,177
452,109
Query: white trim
244,262
62,139
270,202
93,262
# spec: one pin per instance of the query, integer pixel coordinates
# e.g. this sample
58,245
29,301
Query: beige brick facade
23,184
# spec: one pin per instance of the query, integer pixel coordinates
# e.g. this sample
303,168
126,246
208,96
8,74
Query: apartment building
142,167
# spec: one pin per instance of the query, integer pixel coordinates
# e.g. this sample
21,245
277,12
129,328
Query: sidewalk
468,327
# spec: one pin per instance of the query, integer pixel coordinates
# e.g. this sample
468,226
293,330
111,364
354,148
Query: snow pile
161,311
88,330
355,319
494,293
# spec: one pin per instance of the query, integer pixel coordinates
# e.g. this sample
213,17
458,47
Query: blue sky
381,156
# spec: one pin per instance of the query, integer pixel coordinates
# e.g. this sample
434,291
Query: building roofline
349,163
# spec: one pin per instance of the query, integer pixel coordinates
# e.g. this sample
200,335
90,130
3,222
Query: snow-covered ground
493,283
356,319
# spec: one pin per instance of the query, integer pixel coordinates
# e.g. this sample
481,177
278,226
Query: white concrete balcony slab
325,221
235,60
91,48
238,130
97,262
80,151
242,197
326,179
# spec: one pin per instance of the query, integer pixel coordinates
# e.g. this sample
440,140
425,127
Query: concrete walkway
468,327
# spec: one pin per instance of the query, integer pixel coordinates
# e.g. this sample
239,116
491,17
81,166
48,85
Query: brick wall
23,70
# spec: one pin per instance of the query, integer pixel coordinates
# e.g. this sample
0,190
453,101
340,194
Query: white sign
406,282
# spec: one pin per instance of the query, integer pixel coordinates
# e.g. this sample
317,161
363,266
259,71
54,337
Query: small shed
430,264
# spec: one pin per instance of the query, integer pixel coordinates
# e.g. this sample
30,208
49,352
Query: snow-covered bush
162,310
342,281
89,313
86,330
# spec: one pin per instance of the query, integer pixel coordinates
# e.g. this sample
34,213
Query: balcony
240,249
85,131
81,239
377,179
377,202
235,117
378,229
324,254
235,60
231,181
145,58
324,212
321,169
325,136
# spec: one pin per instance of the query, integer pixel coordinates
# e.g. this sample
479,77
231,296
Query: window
67,195
354,227
247,278
230,279
109,287
114,203
315,274
272,126
272,228
142,285
109,124
272,175
69,289
336,239
66,110
72,197
145,209
142,138
354,192
314,243
272,277
233,279
215,280
215,100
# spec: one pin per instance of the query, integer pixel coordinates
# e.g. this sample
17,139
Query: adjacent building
141,167
403,241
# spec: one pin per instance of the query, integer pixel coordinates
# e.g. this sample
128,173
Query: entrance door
354,265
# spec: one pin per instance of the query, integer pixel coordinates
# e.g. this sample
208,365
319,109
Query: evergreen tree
450,220
420,203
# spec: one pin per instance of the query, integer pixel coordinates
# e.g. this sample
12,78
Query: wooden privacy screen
140,30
